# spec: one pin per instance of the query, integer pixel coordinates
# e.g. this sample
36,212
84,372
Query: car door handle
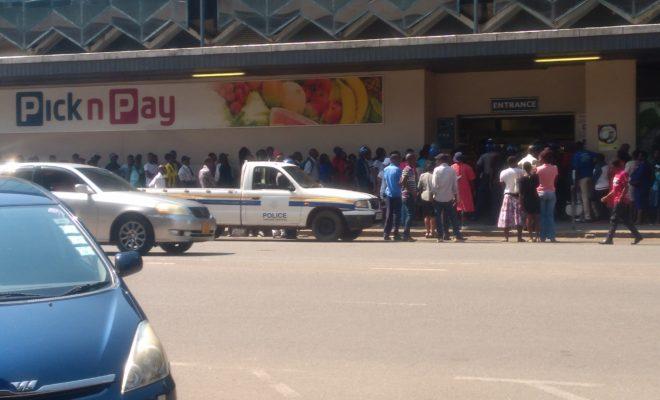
255,198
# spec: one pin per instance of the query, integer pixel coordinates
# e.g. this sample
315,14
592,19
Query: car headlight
362,204
146,362
172,209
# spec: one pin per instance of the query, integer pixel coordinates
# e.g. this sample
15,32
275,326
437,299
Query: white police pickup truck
279,195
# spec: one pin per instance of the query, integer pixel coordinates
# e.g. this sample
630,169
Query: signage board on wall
514,104
608,137
193,105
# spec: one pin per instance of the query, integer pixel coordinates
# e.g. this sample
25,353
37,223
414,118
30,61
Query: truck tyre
327,226
134,233
176,248
349,236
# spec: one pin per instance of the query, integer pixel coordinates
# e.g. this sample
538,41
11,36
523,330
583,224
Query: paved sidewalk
564,230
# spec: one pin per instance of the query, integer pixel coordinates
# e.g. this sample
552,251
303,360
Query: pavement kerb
650,233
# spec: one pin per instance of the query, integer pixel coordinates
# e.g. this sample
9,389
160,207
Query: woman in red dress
466,177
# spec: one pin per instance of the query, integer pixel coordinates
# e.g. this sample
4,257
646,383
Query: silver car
118,214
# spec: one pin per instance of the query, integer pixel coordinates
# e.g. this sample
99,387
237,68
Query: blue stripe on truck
228,202
342,206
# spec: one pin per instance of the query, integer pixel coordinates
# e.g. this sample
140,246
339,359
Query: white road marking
545,386
408,269
378,303
182,364
527,381
281,388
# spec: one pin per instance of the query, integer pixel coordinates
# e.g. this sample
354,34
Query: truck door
267,202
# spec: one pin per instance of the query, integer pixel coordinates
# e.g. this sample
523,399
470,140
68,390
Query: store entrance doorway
517,130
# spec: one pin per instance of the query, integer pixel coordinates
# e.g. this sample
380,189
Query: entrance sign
514,104
193,105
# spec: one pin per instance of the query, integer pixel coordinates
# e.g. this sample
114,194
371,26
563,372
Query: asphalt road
259,319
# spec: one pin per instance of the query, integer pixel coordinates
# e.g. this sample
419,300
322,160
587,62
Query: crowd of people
501,186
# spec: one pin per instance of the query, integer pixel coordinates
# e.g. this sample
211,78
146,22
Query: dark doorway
515,130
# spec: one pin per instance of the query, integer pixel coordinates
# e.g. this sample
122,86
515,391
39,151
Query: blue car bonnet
67,339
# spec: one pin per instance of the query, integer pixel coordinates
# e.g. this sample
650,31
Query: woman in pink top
547,174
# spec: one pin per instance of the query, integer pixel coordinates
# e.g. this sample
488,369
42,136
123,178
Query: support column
611,98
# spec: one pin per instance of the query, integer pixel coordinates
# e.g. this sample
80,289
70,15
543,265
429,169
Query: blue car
69,326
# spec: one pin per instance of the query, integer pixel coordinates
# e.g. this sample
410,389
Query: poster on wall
193,105
323,101
608,138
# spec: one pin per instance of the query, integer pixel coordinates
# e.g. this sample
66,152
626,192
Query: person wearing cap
445,195
113,166
392,195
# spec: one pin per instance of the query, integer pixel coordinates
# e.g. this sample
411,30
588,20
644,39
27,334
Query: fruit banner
192,105
321,101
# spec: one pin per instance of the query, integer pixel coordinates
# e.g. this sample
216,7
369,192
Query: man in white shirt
159,182
186,176
511,211
151,167
444,187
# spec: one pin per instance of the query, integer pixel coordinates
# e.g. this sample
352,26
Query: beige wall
404,126
611,99
559,89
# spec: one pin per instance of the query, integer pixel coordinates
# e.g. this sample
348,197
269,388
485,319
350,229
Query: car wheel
176,248
134,233
349,236
219,231
327,226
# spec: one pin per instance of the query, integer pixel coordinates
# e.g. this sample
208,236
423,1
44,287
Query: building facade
89,76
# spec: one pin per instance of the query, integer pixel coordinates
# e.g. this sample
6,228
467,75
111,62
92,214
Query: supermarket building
79,77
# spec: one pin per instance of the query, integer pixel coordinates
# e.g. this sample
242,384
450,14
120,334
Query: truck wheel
176,248
327,226
134,233
349,236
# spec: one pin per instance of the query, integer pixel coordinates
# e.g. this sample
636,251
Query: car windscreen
301,177
106,180
44,254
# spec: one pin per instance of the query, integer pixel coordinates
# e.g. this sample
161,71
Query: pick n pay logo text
122,107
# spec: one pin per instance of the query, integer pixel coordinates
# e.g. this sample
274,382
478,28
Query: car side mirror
128,263
84,189
291,188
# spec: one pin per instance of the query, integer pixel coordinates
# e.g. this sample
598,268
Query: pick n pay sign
120,106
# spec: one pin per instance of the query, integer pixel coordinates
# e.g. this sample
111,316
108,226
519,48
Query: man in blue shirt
583,167
392,180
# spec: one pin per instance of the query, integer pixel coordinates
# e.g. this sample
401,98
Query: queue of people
515,192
